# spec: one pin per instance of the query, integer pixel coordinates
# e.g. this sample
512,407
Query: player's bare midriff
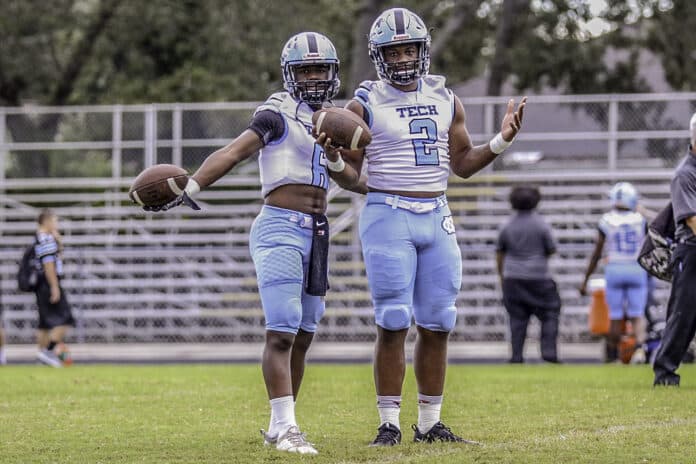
298,197
404,193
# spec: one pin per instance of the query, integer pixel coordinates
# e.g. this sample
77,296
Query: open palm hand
512,122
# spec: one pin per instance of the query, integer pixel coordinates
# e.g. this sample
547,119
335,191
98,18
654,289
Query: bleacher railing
603,131
184,277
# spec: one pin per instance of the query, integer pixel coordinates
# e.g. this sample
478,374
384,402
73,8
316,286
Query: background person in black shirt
55,314
524,246
681,308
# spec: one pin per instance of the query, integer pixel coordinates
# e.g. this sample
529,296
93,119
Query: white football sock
3,359
270,422
428,411
389,408
282,414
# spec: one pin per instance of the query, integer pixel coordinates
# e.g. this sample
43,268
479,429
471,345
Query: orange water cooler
598,318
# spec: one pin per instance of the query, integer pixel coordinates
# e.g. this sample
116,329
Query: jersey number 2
426,153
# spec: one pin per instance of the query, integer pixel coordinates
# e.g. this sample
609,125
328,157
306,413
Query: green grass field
204,413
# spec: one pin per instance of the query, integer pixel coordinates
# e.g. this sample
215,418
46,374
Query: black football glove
184,199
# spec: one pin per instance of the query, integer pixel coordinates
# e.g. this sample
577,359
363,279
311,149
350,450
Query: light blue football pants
627,287
280,243
413,261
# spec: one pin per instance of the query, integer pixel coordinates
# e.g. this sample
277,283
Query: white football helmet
623,194
399,26
310,48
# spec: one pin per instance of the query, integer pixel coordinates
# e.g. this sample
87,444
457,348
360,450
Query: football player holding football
413,261
289,237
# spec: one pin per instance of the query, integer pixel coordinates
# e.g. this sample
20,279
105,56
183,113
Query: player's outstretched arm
466,159
216,165
221,161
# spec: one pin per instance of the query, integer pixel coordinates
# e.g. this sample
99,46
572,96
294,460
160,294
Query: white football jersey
295,158
624,232
48,250
410,134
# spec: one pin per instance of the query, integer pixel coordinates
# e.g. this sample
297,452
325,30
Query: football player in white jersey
413,261
621,232
289,238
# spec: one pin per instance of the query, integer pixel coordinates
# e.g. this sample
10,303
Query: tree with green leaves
128,51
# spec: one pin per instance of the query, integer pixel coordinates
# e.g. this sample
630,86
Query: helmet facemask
314,92
404,72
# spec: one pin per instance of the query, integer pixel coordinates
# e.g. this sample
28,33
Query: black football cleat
387,435
438,432
667,381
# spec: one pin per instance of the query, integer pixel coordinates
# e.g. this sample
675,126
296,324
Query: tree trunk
508,23
27,129
462,10
83,52
362,67
45,127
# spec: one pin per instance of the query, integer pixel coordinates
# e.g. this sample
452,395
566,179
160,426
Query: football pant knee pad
443,320
393,317
282,306
312,310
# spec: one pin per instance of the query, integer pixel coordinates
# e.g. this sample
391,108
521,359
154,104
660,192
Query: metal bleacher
187,276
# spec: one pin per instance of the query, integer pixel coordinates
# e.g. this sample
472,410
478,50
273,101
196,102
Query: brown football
345,128
158,185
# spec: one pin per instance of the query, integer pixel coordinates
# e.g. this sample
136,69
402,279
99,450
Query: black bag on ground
656,252
317,278
27,274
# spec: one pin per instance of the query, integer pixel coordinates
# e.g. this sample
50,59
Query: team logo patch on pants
448,224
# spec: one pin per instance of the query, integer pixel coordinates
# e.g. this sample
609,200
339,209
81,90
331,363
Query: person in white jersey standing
412,258
620,234
289,237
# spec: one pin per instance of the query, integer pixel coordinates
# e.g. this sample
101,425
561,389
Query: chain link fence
189,277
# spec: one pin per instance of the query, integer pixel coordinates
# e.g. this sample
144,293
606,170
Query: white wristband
498,144
336,166
192,187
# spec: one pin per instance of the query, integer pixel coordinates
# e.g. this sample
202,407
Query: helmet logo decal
377,28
